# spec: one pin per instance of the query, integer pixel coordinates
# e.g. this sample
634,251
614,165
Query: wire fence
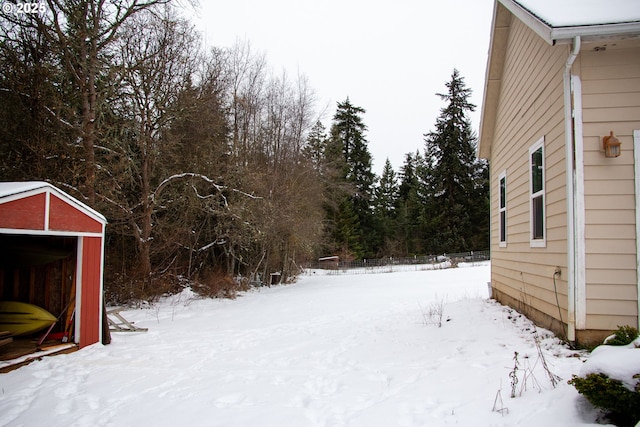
333,265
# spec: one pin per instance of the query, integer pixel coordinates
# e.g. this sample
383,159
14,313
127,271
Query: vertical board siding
27,213
47,213
611,102
64,217
90,305
531,106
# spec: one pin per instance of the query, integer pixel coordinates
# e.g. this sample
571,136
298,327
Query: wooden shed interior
39,270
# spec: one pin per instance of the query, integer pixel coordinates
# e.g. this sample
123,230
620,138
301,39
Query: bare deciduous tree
196,158
82,33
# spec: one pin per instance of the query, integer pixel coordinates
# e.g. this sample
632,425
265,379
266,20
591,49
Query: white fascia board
564,34
595,32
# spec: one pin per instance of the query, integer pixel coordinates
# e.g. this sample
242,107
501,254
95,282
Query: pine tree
454,200
314,150
347,234
408,177
348,135
386,211
410,218
386,193
481,209
349,156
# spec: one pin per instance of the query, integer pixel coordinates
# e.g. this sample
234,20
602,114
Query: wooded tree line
206,164
438,202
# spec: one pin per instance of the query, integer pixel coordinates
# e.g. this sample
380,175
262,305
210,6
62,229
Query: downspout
571,181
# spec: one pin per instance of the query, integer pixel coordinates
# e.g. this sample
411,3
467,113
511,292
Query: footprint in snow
233,400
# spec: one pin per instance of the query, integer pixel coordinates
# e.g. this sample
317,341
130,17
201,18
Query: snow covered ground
330,350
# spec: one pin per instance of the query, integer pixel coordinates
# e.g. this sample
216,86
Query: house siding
531,106
610,74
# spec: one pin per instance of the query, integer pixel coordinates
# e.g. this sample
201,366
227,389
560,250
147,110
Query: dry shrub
216,284
131,290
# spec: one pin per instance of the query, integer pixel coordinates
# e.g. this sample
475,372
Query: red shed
52,255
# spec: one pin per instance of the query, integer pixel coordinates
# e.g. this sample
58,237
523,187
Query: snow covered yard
331,350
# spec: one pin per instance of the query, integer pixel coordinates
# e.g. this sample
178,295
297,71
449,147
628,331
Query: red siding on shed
38,208
27,213
65,217
90,305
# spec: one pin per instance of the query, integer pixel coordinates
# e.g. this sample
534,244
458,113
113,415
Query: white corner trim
636,166
47,209
579,208
78,286
101,304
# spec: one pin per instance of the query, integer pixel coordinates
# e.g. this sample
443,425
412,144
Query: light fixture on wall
611,145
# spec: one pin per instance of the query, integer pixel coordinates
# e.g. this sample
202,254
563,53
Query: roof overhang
560,34
493,78
503,13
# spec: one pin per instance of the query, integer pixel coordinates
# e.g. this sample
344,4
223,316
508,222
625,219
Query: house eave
493,79
550,34
564,34
587,33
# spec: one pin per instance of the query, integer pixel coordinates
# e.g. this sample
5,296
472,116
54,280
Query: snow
569,13
330,350
617,362
11,188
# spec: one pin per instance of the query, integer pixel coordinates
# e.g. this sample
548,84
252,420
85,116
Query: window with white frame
537,194
502,207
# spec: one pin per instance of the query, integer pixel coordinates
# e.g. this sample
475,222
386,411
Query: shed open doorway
39,270
52,256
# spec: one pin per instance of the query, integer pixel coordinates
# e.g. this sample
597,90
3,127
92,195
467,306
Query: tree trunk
147,213
89,130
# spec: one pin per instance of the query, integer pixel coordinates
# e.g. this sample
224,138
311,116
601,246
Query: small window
536,163
503,209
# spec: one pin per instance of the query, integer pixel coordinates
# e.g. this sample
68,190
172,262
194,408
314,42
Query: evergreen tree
386,193
481,209
347,234
410,217
408,175
349,156
454,200
348,135
314,150
386,211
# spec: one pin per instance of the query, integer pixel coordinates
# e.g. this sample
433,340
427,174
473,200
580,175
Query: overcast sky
390,58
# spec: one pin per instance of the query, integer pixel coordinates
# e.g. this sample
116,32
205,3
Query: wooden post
68,325
106,332
63,282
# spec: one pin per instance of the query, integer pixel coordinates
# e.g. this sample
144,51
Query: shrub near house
610,379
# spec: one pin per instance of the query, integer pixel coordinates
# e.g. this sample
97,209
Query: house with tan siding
565,213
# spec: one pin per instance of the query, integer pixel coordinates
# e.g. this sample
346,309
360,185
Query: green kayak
21,318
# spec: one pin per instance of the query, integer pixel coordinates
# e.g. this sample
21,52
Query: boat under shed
52,256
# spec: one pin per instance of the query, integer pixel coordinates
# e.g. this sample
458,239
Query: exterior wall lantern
611,145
